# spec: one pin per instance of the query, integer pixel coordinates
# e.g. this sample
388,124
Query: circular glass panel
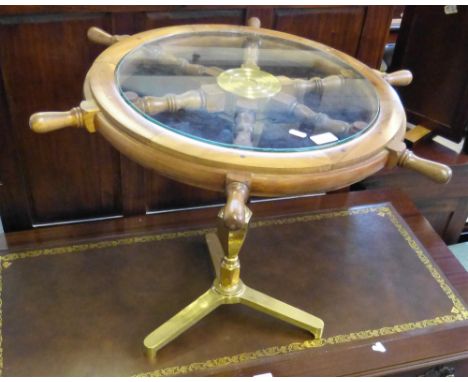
247,90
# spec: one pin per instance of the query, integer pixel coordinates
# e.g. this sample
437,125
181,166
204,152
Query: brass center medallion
249,83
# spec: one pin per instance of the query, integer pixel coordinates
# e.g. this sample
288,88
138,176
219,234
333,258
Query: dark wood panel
69,174
133,186
14,205
339,28
206,217
14,10
164,193
123,23
153,20
432,44
374,35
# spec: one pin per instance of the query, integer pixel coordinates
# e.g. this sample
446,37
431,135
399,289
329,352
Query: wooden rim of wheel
101,87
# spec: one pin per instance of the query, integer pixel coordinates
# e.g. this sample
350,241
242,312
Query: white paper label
321,139
268,375
297,133
450,9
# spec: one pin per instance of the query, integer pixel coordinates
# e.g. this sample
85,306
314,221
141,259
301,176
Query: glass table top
245,90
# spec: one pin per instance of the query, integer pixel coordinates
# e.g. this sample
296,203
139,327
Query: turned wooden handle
438,172
235,209
81,116
254,22
399,78
46,122
101,37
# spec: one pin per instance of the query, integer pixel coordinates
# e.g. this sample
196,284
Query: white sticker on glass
297,133
321,139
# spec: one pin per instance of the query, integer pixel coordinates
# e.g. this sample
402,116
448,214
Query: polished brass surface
231,240
249,82
228,288
233,221
218,295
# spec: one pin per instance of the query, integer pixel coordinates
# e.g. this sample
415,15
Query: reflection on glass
247,91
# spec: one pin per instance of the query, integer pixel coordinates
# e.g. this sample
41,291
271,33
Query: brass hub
249,83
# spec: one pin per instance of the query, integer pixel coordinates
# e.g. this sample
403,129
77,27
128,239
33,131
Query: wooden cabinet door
433,44
360,31
66,174
339,27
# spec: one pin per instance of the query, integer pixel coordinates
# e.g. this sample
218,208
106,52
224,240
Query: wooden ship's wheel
248,111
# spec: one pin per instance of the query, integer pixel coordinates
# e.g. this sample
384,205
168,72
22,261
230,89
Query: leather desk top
82,308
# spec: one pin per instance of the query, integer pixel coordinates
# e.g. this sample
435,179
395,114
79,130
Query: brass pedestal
227,287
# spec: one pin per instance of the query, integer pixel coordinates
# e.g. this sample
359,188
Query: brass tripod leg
228,288
276,308
179,323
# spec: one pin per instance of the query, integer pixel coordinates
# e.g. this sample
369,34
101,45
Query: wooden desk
59,347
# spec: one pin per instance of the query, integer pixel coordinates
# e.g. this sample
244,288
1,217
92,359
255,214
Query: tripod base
218,295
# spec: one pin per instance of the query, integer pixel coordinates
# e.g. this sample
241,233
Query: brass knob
399,78
438,172
101,37
82,116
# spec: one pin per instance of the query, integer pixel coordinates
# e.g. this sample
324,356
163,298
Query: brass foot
217,296
276,308
150,355
183,320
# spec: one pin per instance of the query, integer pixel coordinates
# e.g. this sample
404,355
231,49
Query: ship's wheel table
248,111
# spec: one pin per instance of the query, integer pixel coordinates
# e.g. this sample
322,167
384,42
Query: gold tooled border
459,311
